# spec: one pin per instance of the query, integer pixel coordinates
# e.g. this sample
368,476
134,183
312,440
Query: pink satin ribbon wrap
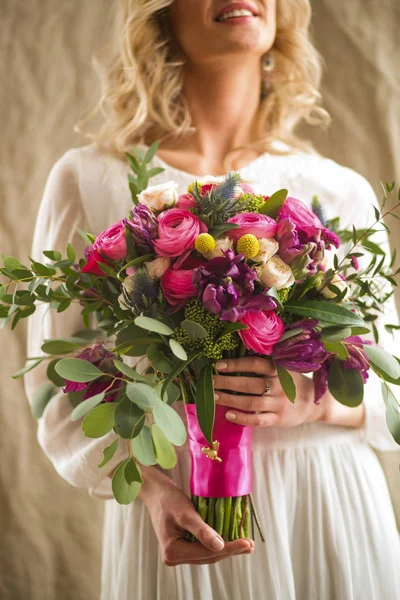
213,479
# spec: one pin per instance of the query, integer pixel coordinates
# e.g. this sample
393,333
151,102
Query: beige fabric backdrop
50,533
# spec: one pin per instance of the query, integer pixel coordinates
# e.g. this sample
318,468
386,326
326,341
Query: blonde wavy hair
142,96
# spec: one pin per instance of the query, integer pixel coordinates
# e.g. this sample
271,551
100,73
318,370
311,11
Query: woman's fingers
247,364
246,385
266,419
182,552
248,403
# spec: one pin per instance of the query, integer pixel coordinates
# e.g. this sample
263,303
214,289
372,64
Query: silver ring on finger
267,388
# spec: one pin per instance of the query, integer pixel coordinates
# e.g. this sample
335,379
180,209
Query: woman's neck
223,103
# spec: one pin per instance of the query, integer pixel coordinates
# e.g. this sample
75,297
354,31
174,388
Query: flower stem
211,516
219,515
256,518
227,518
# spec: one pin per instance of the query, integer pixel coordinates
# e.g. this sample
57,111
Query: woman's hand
270,407
172,513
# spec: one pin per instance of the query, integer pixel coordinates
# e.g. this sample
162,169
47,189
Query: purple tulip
357,360
144,227
226,284
303,352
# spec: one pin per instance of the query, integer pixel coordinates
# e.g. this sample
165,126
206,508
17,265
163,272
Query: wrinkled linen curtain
50,532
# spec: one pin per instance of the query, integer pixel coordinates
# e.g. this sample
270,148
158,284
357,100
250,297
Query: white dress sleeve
74,456
359,210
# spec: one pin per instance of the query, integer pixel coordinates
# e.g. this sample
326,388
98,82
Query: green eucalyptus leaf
325,311
84,407
337,348
232,328
30,364
76,369
170,422
41,398
100,420
132,472
163,449
143,448
392,412
335,334
205,403
133,374
272,206
173,394
382,361
141,394
346,385
58,347
129,418
177,369
287,383
123,492
178,350
108,453
153,325
195,330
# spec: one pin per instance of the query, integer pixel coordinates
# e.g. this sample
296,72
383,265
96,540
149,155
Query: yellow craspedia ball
248,245
204,243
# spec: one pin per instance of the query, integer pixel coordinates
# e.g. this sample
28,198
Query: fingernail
217,544
216,396
231,416
221,365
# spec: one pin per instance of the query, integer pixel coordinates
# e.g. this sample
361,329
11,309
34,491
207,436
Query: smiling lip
237,6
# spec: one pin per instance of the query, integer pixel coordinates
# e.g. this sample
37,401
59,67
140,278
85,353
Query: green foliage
392,412
383,362
129,418
177,349
41,398
346,385
100,420
219,204
205,403
141,394
153,325
143,447
163,449
274,203
287,383
324,311
124,489
169,422
84,407
108,453
138,163
76,369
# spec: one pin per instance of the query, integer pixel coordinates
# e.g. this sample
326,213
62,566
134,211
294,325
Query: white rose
276,273
159,197
157,267
221,245
338,282
268,247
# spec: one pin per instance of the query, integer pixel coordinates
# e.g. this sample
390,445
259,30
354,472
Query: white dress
320,492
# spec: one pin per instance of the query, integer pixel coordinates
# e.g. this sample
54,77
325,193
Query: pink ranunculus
177,231
177,285
265,328
111,243
186,201
259,225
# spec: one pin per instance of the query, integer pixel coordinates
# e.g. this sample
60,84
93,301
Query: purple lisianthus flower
144,228
303,352
226,286
357,360
101,357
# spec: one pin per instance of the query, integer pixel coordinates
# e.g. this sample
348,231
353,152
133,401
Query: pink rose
259,225
186,201
177,231
111,243
93,265
299,214
265,328
177,285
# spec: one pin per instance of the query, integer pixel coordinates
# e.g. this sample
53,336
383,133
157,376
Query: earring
267,66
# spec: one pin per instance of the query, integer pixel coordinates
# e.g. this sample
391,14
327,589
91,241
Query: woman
223,86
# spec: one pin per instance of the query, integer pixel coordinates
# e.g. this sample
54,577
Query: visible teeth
235,13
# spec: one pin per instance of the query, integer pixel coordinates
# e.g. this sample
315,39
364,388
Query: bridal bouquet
185,280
